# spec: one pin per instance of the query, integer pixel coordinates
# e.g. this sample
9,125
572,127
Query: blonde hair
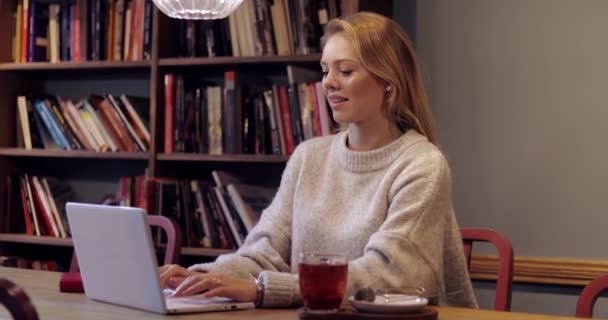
386,51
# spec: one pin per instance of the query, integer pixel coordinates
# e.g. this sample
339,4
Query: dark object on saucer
349,314
365,294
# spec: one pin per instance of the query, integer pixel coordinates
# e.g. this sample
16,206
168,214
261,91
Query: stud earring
388,88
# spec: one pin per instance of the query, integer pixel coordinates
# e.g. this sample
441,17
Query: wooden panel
196,157
156,95
204,252
76,154
231,61
7,25
9,84
57,242
85,65
166,34
541,270
22,238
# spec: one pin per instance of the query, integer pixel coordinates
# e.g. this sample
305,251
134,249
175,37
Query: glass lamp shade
197,9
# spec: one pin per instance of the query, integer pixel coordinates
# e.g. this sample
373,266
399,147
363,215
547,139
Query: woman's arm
419,240
268,245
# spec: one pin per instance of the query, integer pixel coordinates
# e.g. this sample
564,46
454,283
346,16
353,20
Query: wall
518,89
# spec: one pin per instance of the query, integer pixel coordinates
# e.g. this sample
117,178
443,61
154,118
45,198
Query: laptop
118,262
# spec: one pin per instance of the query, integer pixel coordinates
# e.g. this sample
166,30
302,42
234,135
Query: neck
362,138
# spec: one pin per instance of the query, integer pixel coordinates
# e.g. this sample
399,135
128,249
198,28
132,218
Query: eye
324,73
346,72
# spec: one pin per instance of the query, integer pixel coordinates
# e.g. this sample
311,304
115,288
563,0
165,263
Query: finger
194,285
172,272
174,282
218,292
165,267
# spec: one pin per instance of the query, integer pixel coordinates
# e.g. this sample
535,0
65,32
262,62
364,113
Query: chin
342,118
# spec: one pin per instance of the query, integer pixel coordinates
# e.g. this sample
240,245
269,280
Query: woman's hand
172,275
187,283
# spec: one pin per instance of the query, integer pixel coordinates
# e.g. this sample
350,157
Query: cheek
366,93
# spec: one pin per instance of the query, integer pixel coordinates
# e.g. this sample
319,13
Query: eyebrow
338,61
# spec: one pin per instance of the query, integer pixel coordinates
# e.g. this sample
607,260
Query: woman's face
354,95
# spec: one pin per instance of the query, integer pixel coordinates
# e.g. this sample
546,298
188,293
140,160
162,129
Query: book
53,32
137,110
232,132
214,118
231,218
53,207
249,201
209,234
24,121
169,111
51,125
224,178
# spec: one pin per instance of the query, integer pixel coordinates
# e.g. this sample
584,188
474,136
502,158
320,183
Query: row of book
24,263
262,27
211,215
99,123
244,115
36,206
82,30
216,214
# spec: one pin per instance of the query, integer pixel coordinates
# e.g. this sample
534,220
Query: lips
334,99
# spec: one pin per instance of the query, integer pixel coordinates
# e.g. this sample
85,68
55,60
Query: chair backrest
16,301
174,240
502,301
592,291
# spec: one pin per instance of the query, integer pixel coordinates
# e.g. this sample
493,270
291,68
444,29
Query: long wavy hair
386,51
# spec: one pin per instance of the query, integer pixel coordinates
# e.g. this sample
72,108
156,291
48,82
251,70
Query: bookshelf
142,77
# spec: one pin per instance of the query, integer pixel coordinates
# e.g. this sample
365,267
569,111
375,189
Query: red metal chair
174,240
16,301
502,301
592,291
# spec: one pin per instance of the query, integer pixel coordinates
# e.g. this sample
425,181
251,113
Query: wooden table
43,289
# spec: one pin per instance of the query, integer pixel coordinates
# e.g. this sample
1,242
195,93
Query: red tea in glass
322,280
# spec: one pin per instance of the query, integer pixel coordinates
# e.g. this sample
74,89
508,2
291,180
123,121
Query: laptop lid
118,263
115,255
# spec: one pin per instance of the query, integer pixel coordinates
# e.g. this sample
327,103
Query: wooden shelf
249,158
204,252
60,242
23,238
78,154
86,65
189,62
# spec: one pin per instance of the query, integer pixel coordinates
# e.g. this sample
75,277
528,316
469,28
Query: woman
379,192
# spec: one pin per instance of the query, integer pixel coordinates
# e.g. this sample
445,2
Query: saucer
390,303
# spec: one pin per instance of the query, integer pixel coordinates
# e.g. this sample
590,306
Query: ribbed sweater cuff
279,288
201,267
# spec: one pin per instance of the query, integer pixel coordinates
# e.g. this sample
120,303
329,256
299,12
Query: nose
330,82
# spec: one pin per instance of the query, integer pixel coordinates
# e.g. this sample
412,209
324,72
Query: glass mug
322,278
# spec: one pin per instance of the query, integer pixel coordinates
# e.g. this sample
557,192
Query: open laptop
118,263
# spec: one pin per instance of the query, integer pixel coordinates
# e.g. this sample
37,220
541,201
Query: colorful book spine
51,125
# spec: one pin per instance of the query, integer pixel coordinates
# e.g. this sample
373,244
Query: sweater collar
365,161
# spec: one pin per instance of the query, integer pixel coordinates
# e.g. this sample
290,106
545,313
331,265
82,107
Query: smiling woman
378,193
381,52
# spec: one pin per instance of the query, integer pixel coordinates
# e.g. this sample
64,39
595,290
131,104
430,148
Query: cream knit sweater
389,210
